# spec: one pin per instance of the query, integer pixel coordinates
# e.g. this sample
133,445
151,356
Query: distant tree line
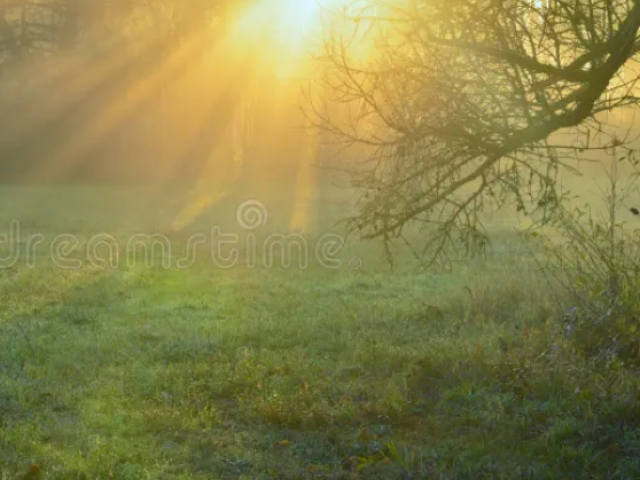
64,64
32,27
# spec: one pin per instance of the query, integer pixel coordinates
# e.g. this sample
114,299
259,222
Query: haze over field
319,240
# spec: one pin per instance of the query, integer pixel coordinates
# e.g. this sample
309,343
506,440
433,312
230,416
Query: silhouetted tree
460,101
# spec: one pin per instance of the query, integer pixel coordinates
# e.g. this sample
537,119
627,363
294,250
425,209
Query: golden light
282,33
296,20
269,41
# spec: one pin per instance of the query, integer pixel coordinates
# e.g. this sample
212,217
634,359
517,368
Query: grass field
145,372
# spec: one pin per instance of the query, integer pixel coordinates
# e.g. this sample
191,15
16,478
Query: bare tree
31,27
461,104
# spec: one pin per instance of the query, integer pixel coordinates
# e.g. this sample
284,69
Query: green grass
207,373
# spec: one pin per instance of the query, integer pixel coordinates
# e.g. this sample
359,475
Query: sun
297,20
283,32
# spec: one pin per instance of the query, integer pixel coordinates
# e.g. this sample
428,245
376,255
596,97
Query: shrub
595,260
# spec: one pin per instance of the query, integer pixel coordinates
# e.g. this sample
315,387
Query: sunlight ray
305,187
58,163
